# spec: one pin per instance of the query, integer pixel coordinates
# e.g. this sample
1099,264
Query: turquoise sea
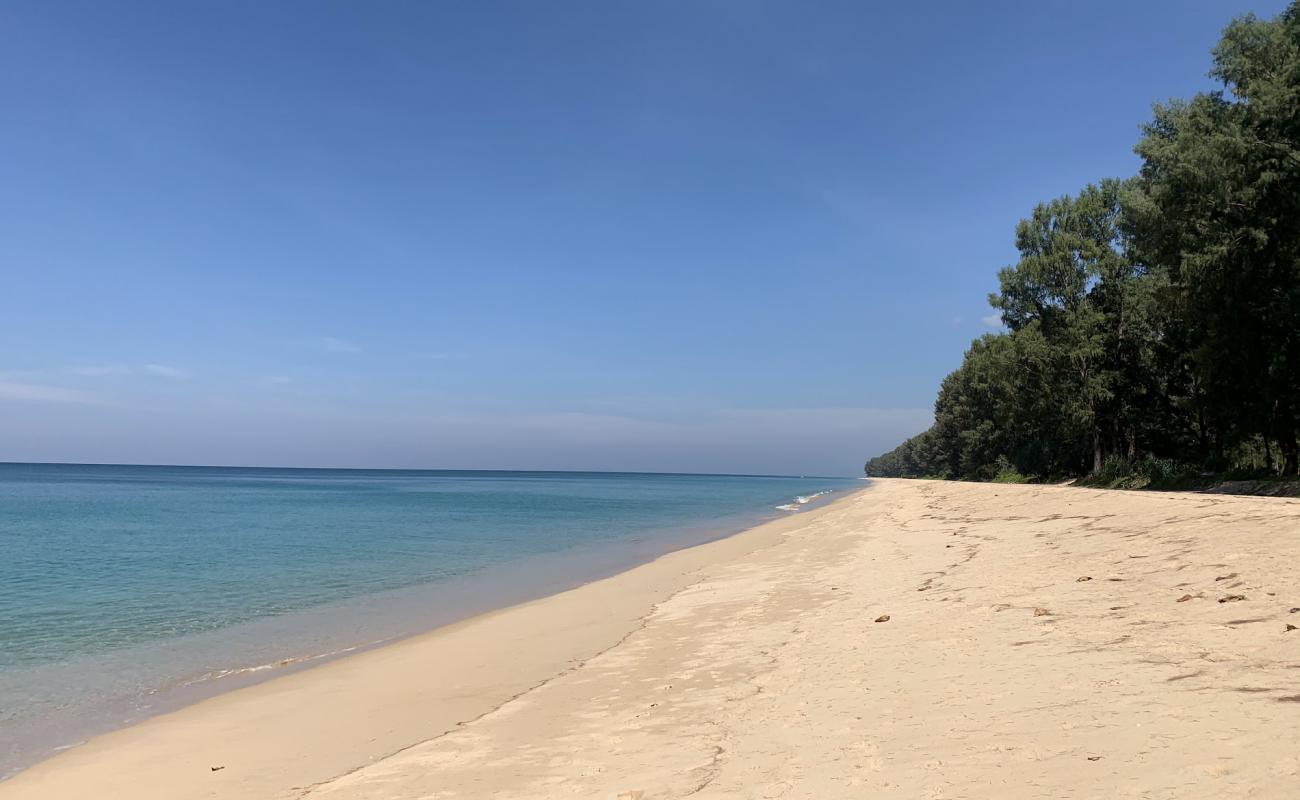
130,590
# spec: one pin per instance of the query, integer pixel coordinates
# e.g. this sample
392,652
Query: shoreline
253,652
385,651
921,639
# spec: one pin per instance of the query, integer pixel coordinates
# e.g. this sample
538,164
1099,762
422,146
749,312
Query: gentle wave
283,662
802,500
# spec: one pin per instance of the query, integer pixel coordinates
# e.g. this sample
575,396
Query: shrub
1007,473
1115,468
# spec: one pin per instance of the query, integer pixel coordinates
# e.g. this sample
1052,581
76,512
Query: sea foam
802,500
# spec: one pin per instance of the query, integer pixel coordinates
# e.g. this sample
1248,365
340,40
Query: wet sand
915,640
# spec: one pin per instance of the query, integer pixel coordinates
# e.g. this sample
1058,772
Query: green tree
1157,317
973,414
1075,287
1217,205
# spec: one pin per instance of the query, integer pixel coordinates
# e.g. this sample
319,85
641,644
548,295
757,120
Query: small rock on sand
1083,578
1041,612
1290,628
1232,598
882,618
1183,599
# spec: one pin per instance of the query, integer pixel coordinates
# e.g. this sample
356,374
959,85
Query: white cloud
164,371
992,320
98,370
102,370
338,345
812,441
40,393
808,441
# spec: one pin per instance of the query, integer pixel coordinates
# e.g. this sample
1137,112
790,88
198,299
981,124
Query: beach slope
915,640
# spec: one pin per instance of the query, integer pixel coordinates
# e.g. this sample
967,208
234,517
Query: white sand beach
913,640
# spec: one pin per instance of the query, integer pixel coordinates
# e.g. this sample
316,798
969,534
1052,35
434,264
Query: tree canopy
1156,319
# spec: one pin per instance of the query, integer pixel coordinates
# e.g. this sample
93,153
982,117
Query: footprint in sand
1218,769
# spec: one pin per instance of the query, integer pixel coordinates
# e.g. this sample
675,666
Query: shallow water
129,590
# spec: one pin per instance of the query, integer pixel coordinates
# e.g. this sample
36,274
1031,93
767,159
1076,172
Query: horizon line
418,469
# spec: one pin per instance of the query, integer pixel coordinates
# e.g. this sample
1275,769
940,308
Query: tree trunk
1096,451
1202,439
1290,454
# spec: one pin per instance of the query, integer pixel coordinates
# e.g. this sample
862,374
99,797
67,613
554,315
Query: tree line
1153,323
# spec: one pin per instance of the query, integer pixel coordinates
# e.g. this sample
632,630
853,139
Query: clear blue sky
698,236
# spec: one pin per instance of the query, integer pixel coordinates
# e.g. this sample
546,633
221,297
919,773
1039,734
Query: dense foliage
1153,324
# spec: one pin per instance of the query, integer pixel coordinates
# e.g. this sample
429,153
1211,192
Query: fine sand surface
756,667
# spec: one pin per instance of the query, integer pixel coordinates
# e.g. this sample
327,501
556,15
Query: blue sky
699,236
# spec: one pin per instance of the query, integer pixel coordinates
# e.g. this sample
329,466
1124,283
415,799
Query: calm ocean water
126,590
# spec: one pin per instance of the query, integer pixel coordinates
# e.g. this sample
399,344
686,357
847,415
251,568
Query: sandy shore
755,667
